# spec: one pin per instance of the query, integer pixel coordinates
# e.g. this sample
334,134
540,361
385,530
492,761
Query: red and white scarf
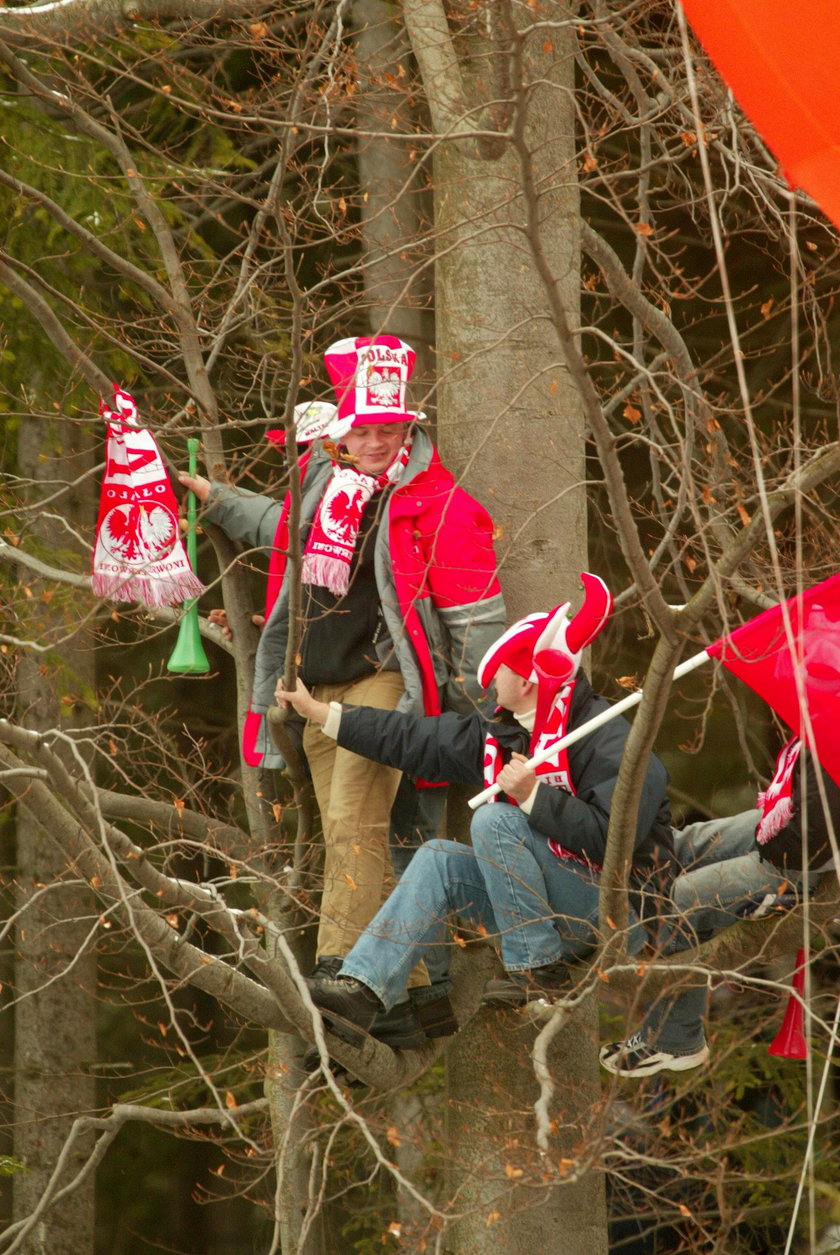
332,538
138,555
776,802
554,771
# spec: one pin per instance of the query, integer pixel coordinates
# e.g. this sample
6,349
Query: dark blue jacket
450,748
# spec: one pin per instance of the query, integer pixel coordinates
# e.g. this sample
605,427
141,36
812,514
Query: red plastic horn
593,614
789,1042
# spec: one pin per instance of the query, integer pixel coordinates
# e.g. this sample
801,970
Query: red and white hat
514,648
369,374
548,647
561,643
559,649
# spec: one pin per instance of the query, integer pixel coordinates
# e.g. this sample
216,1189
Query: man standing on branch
400,600
530,879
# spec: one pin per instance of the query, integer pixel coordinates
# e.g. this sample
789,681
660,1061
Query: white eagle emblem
138,534
384,387
341,513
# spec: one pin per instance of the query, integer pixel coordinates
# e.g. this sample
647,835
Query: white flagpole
605,716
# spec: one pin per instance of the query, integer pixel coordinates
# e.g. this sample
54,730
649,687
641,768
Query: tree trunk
510,419
513,1198
511,425
393,198
7,1045
298,1212
55,974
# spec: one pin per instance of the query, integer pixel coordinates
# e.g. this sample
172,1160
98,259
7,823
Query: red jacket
436,572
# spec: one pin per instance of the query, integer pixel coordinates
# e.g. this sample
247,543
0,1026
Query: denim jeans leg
442,879
416,817
714,895
546,908
706,899
713,840
675,1023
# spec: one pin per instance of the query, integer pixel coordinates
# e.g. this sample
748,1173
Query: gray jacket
435,571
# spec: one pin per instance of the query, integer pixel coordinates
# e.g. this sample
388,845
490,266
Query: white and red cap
369,374
311,419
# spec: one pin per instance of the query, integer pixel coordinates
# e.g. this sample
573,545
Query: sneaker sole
677,1063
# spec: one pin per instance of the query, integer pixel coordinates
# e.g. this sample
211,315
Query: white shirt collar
527,719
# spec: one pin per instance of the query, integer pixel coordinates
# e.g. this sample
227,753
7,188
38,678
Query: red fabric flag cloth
782,63
138,555
766,657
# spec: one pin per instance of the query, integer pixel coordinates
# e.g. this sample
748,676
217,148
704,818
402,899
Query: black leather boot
327,965
347,1005
516,989
399,1028
434,1010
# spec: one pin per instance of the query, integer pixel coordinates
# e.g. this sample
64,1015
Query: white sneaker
635,1057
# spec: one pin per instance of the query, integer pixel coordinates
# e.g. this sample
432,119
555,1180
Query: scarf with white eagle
331,544
138,555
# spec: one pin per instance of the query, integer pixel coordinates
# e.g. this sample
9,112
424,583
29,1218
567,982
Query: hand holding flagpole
627,703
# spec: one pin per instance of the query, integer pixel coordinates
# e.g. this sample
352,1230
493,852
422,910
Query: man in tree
400,600
736,867
530,879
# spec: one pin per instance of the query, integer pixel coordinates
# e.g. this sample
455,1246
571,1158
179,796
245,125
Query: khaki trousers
354,797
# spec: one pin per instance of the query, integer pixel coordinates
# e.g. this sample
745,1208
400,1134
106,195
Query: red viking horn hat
514,648
554,640
559,649
593,614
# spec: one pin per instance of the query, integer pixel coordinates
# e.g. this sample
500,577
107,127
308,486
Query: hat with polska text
369,375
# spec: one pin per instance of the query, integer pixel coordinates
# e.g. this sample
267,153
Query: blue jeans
724,875
537,908
416,817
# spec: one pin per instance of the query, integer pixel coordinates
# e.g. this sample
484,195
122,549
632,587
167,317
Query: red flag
767,656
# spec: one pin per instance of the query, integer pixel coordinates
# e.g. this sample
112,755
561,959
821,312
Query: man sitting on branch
740,867
530,880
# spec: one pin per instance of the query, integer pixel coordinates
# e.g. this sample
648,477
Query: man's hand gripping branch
303,702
